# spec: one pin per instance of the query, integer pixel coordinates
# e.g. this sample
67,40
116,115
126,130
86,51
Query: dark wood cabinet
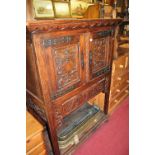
68,63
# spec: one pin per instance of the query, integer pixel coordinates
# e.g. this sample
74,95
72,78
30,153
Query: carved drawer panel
99,58
65,63
63,109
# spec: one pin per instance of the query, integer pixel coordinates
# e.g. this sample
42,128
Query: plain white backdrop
13,77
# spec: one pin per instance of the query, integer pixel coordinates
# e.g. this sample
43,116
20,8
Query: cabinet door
65,63
100,53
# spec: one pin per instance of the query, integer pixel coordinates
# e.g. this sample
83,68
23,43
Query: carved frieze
37,27
105,33
56,41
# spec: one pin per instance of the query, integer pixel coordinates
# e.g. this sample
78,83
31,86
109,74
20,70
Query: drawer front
120,77
39,149
43,153
34,141
117,81
118,89
120,66
65,108
118,99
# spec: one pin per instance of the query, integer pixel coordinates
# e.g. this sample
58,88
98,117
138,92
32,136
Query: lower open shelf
78,126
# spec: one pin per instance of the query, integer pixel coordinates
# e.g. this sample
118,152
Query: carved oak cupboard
68,63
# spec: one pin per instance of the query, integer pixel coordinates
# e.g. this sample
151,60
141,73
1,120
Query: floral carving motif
99,53
56,41
58,115
66,65
73,103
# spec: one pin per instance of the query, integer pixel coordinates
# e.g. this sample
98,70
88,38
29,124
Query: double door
75,58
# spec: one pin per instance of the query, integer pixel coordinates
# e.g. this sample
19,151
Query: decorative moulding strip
59,25
55,41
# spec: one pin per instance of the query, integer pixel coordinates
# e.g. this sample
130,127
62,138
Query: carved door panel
100,52
66,63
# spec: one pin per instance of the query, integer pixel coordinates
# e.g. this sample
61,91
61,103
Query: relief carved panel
66,63
73,103
56,41
98,54
58,116
70,105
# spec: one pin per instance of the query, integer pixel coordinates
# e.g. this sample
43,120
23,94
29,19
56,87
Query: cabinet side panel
32,77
